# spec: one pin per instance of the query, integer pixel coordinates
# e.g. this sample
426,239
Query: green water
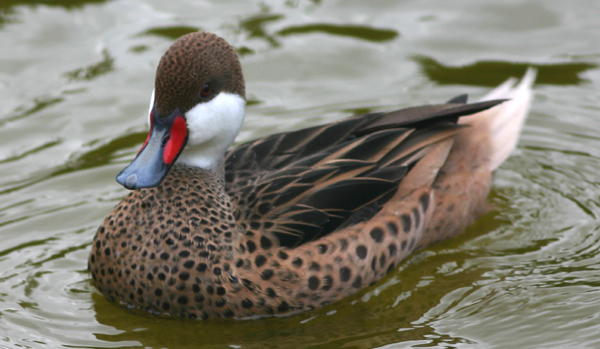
75,82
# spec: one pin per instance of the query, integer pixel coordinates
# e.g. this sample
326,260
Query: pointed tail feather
506,120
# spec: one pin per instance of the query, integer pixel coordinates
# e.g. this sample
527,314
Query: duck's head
196,109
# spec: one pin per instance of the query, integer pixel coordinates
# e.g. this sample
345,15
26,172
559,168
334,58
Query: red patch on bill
176,140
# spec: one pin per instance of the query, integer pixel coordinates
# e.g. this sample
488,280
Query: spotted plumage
292,221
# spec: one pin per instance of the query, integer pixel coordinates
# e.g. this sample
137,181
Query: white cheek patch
212,128
151,106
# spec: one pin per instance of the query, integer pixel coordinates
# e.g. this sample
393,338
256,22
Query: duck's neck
209,178
198,198
204,157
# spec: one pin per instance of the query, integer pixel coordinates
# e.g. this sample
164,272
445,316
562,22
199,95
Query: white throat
212,128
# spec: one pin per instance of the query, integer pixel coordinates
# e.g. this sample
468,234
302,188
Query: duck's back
304,185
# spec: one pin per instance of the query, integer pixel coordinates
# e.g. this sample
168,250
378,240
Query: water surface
75,81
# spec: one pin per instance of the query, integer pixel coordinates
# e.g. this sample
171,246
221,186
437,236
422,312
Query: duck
292,221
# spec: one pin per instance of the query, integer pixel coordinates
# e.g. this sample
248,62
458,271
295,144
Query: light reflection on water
76,80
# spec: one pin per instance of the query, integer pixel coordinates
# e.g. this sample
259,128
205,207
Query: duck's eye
205,92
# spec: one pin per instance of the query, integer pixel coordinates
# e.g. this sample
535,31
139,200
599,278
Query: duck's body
292,221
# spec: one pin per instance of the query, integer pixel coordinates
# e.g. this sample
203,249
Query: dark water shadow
255,28
66,4
169,32
493,73
92,71
350,31
102,155
39,104
9,15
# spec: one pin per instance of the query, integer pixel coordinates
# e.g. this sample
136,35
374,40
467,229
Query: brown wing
305,184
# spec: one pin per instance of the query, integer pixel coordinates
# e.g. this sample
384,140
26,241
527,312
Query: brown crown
192,61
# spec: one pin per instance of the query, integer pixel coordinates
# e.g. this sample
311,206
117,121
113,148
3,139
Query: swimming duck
292,221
